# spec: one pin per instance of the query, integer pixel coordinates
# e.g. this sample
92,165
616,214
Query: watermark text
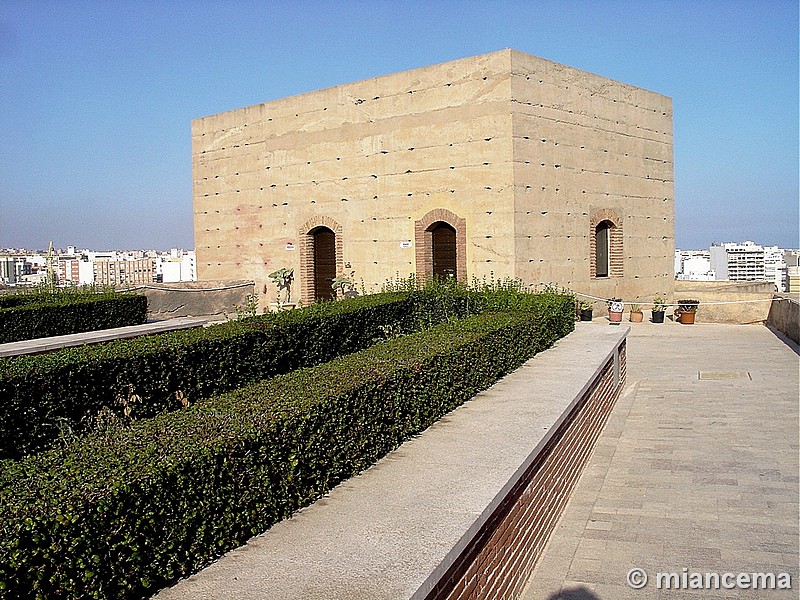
694,580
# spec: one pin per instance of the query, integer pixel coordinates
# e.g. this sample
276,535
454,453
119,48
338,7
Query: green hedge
50,397
31,316
12,300
122,514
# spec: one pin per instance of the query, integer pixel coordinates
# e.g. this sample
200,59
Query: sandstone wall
373,156
586,146
739,302
520,149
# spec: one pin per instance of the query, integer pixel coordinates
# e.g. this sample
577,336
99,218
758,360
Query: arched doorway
443,245
324,243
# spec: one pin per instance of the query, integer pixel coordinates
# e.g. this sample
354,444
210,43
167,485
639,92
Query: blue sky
97,98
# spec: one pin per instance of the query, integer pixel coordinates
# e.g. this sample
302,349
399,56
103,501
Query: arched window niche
602,248
605,236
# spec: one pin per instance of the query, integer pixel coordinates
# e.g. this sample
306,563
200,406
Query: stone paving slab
388,532
691,472
49,344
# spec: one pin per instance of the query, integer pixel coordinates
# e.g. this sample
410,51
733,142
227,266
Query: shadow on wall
578,593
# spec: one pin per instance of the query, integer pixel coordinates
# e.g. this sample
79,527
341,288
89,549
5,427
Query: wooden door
324,263
444,251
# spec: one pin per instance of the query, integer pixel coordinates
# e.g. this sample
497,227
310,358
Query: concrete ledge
196,298
784,315
745,302
49,344
413,525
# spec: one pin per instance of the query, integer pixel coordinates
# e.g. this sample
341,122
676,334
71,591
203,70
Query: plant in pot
615,308
659,308
636,316
343,286
685,312
585,310
282,278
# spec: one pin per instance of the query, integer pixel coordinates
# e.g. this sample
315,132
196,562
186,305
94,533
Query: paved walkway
697,469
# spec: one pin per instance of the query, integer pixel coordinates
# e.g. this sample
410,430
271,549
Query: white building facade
693,265
738,262
86,267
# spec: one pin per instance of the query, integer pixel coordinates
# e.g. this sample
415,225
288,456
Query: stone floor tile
691,471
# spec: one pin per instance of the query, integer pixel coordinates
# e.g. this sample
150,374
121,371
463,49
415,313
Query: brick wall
499,560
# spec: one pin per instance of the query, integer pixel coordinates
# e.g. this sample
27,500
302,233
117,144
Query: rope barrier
239,285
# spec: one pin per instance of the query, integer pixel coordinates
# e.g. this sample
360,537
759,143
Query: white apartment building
775,267
87,267
792,260
693,265
8,272
136,271
746,261
738,262
178,265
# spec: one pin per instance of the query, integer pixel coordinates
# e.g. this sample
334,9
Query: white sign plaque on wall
290,246
405,244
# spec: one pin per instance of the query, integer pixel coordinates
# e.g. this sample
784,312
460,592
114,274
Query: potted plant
659,308
343,286
585,310
636,316
685,312
282,278
615,308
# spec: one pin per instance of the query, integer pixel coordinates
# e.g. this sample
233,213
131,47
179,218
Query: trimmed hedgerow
52,397
12,300
36,315
120,515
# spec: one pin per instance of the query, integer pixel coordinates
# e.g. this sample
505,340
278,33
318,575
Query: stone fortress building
503,165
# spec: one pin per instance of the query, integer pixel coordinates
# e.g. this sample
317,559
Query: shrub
40,314
55,396
12,300
121,514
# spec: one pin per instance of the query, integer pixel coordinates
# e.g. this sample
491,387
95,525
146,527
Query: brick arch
423,242
615,233
307,291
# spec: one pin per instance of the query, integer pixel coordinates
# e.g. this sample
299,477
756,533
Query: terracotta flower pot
636,317
686,317
615,317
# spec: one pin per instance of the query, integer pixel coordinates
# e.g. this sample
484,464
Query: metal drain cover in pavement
724,375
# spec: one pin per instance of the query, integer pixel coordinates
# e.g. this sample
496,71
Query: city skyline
99,98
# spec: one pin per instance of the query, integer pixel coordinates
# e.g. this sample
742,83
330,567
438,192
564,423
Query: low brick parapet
461,511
